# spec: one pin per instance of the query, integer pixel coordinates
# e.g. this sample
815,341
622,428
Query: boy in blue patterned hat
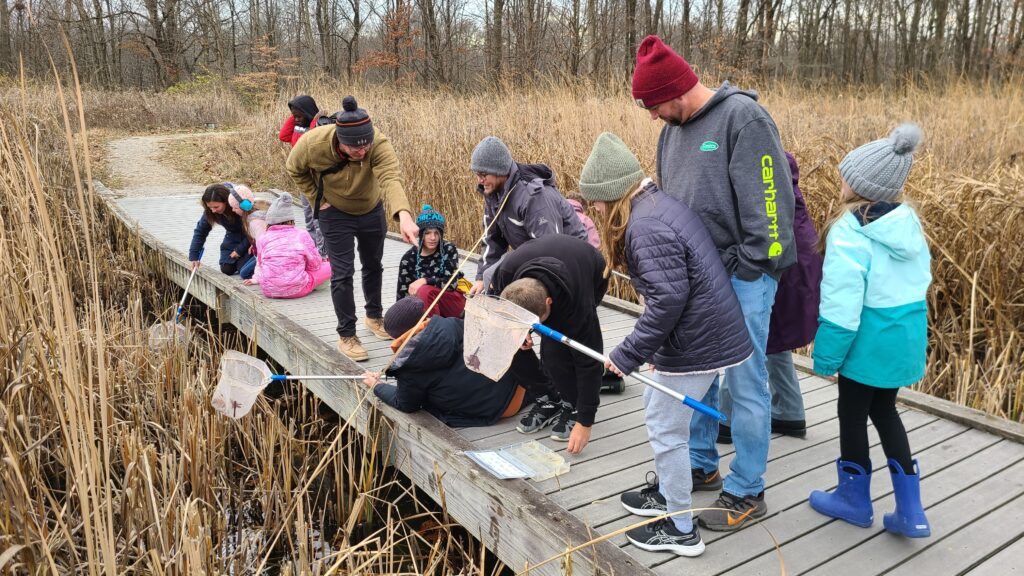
426,268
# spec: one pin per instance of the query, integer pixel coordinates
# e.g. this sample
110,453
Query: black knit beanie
353,125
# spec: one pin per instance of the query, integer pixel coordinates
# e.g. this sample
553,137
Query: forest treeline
468,44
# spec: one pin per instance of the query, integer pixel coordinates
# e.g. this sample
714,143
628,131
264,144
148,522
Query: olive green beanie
611,170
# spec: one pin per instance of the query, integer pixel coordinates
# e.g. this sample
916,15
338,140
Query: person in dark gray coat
530,205
691,328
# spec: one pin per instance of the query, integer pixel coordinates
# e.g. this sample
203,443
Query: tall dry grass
111,459
968,182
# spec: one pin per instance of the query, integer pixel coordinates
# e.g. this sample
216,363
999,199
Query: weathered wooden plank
962,546
1006,561
958,485
793,517
788,459
610,419
782,506
611,405
946,409
951,501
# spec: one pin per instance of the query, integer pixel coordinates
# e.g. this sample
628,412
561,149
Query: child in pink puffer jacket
287,262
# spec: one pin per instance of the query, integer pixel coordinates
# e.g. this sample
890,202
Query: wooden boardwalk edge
513,519
970,417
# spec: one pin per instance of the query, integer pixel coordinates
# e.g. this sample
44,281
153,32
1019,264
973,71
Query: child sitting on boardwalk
287,262
691,328
433,377
223,205
874,328
426,268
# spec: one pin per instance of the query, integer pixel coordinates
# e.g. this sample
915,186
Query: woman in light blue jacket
874,328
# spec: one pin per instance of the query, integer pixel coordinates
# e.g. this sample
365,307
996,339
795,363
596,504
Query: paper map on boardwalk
530,460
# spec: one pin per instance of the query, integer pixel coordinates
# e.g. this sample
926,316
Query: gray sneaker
564,422
540,415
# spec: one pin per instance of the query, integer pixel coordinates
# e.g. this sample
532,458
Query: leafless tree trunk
432,44
6,59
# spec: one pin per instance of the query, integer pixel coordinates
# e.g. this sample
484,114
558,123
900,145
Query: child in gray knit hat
873,328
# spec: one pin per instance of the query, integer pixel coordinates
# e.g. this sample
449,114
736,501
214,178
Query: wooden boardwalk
973,466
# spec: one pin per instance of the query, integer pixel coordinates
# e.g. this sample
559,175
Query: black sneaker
705,481
663,536
648,501
794,428
564,422
612,383
724,434
733,512
540,415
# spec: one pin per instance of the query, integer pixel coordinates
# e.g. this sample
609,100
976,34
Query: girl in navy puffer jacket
691,327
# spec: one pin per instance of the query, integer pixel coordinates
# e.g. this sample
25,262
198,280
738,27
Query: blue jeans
787,400
750,415
247,269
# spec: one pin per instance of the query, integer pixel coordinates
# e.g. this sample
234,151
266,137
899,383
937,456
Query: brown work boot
376,325
351,346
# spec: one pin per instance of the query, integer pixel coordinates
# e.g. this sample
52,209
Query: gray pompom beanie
611,170
878,170
281,210
491,156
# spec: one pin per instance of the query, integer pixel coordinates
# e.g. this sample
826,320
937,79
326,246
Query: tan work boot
376,325
351,346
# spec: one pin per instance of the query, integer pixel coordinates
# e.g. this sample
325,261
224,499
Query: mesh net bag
166,335
242,378
495,329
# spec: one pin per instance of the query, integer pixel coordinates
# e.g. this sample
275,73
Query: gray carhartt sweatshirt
727,164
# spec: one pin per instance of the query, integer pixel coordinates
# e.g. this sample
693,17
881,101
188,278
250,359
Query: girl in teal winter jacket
873,328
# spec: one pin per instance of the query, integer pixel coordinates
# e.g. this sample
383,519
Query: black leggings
856,403
233,266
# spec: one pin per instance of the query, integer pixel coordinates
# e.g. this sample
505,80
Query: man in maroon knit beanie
720,154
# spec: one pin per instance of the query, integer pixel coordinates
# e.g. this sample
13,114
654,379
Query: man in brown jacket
352,172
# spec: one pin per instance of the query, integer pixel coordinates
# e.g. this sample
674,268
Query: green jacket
358,187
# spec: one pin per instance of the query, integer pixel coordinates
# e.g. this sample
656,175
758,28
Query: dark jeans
368,231
858,402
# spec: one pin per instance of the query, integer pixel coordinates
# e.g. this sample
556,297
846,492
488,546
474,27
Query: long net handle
694,404
181,304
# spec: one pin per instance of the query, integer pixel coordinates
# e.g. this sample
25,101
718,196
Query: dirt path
136,167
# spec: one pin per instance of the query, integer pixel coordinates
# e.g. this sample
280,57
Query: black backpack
325,119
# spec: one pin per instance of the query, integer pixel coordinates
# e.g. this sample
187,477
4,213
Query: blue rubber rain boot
851,500
908,519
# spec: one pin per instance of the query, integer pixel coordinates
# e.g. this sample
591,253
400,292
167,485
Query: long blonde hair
858,205
613,231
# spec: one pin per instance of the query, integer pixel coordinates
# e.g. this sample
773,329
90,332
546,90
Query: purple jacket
795,313
692,321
